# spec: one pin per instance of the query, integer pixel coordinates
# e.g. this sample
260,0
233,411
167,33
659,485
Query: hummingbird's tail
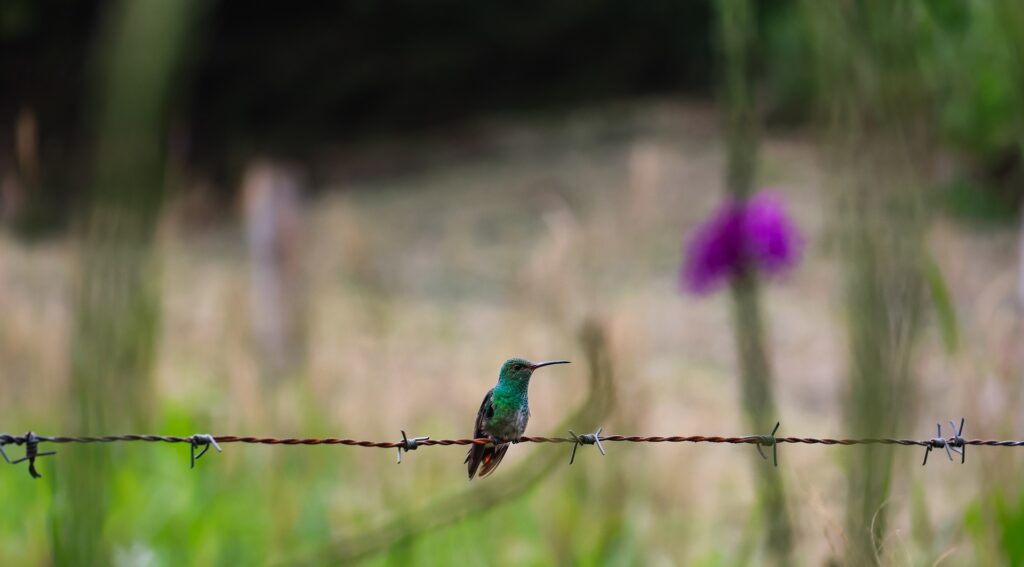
485,457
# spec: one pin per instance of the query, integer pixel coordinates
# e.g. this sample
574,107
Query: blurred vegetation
386,70
117,303
294,82
577,144
972,71
875,95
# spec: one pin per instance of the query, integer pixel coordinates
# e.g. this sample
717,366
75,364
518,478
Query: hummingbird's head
520,369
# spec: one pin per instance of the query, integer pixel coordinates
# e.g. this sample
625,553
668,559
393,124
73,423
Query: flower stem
737,30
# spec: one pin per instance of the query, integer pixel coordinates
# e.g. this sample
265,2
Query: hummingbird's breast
510,423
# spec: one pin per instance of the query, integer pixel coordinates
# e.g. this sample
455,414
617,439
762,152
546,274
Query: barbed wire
955,444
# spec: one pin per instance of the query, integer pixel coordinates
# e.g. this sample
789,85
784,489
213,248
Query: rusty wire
203,441
750,440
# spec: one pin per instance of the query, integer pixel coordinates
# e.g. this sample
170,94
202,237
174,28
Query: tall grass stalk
117,303
874,84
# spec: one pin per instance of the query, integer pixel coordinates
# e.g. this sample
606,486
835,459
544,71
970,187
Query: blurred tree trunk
737,32
18,184
116,302
274,224
1020,265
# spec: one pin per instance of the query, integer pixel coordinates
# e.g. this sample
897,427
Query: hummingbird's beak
537,365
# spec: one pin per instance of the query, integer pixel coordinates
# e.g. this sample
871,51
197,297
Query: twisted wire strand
6,439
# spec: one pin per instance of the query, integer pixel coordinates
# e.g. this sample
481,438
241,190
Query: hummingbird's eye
517,367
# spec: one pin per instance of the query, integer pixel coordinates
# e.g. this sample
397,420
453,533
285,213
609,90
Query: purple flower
755,234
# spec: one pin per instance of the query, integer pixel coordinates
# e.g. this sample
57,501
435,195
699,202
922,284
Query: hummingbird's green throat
503,414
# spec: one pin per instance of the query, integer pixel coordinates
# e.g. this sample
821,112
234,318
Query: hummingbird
503,414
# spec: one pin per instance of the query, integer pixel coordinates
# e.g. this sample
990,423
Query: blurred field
421,283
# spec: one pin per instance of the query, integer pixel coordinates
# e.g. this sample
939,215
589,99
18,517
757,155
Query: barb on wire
955,444
767,441
31,442
408,445
585,439
5,439
204,440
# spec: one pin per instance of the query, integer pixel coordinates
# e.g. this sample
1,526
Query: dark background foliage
286,81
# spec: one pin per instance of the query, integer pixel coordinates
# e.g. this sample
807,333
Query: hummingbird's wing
486,413
485,457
